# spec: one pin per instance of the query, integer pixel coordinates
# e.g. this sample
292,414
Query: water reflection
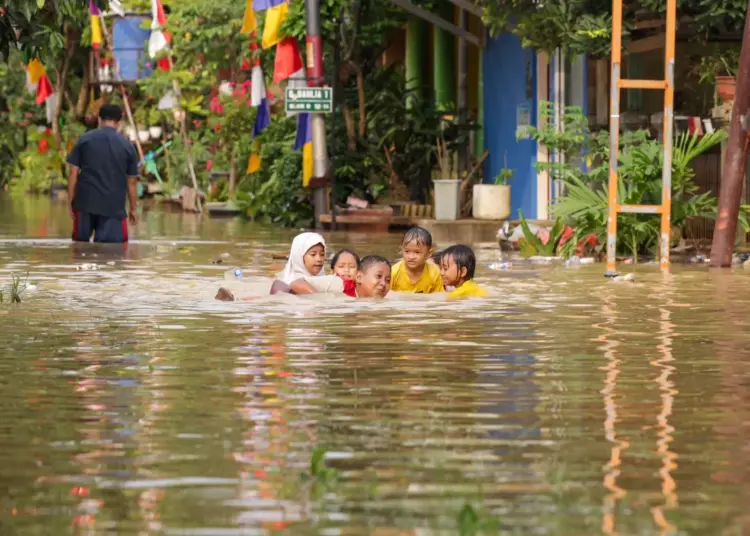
132,403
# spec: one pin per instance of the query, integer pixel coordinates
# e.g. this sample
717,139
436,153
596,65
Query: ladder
666,85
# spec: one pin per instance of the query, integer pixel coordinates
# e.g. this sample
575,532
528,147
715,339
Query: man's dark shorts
105,230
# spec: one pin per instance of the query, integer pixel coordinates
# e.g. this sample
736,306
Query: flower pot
155,132
491,202
447,199
130,133
726,87
144,136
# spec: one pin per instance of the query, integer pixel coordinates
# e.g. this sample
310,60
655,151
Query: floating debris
624,278
86,267
500,266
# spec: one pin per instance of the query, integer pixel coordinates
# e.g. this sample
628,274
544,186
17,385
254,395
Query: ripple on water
133,403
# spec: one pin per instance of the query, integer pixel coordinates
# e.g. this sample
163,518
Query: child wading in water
414,274
372,280
457,265
345,264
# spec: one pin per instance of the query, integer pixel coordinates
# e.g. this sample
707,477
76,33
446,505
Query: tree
585,26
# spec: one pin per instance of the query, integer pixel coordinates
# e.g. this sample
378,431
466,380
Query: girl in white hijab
305,258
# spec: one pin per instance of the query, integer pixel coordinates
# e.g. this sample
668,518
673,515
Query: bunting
253,163
288,59
275,17
159,39
115,6
96,29
249,23
304,141
262,5
259,99
34,73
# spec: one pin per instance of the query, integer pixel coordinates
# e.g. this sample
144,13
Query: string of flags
37,82
288,65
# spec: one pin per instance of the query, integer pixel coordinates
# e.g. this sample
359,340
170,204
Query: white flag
116,7
258,87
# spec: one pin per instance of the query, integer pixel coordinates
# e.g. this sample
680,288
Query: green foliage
473,523
584,26
718,61
505,175
585,201
275,193
531,245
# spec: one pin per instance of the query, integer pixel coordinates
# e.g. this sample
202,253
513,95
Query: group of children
420,271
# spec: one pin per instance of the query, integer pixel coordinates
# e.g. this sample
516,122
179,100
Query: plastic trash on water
588,260
87,267
624,278
500,266
573,261
237,273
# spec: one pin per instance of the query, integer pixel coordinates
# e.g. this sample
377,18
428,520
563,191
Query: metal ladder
666,85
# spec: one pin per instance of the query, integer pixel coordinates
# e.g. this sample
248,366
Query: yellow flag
35,70
253,163
275,17
249,24
307,163
96,31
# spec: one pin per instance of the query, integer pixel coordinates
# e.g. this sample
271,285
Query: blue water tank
130,36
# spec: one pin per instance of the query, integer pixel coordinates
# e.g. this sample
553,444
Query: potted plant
492,201
447,184
154,121
721,68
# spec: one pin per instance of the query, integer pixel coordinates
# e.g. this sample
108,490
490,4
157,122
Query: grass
17,288
473,523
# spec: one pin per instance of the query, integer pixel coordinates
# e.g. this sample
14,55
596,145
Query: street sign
317,100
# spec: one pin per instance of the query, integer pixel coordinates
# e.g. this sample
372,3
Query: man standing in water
103,172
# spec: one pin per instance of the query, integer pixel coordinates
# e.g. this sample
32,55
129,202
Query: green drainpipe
444,64
416,55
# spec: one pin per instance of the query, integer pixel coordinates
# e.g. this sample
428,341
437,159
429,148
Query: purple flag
261,5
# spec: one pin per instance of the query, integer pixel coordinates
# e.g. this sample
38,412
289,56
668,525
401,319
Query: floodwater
132,403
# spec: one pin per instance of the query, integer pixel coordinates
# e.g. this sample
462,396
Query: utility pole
735,161
315,78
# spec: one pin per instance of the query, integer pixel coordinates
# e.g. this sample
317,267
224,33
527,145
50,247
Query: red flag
159,39
44,90
288,59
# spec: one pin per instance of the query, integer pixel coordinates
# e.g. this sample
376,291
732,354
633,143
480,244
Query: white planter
155,132
130,133
144,136
447,199
491,202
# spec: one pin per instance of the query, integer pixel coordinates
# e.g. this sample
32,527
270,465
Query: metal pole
614,136
463,64
735,162
336,99
666,173
314,53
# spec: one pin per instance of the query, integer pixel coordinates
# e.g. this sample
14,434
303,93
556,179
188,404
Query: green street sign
316,100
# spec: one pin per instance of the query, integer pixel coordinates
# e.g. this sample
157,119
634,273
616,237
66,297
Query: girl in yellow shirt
457,265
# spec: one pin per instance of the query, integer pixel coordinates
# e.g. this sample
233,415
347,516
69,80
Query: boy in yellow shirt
413,273
457,265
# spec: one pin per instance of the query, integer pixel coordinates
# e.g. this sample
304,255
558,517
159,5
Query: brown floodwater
131,402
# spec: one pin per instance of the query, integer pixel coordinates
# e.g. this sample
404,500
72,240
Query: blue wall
509,73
